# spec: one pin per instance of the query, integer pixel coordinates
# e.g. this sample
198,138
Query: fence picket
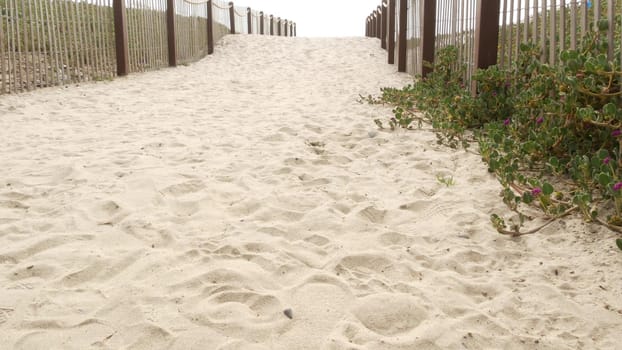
391,32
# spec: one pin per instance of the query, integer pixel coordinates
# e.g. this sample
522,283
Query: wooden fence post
374,18
250,20
285,28
611,8
278,26
271,25
210,28
402,36
291,28
373,24
391,33
232,17
121,39
295,30
487,33
383,39
261,21
379,23
170,30
428,36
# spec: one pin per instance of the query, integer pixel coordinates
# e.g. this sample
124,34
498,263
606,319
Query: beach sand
188,208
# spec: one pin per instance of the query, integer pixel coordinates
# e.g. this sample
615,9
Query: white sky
319,18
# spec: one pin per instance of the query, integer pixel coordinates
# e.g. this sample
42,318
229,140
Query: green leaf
591,65
604,179
530,146
554,161
610,109
527,198
573,65
547,189
586,113
619,243
602,154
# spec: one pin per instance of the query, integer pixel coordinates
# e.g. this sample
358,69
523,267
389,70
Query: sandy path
187,208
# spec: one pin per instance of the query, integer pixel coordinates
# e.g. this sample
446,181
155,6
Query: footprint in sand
5,314
288,131
146,231
318,240
373,215
183,208
274,138
395,239
258,306
390,314
313,128
108,213
11,204
16,196
317,147
283,171
184,188
311,181
99,270
294,161
41,245
39,271
428,209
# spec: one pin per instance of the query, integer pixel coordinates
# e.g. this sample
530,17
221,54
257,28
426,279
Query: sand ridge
188,208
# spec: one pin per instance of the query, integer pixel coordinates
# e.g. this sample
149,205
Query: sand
188,208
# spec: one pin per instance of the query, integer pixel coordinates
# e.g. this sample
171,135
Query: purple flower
616,133
494,94
507,122
540,120
536,191
607,160
617,186
508,85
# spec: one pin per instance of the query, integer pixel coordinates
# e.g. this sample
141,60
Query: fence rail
489,32
55,42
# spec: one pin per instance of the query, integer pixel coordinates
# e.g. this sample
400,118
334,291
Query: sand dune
188,208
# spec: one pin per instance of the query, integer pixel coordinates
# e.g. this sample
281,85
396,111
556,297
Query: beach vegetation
448,180
551,134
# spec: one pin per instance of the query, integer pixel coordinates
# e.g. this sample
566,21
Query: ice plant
569,166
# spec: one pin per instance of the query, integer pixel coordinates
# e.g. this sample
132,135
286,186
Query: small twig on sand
517,233
614,228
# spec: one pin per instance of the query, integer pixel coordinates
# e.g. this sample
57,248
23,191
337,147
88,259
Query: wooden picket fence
488,32
55,42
